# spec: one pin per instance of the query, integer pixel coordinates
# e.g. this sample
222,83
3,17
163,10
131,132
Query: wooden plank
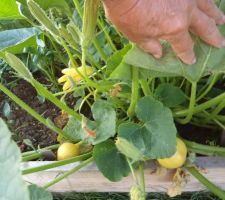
91,180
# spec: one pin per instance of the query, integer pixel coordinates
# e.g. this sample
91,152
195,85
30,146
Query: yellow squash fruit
68,150
178,159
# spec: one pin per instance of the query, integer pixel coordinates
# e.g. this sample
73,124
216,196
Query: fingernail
223,43
221,20
193,61
157,56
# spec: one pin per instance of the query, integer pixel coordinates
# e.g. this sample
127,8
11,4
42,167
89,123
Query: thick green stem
201,107
135,92
191,105
205,149
33,156
52,147
133,172
32,112
95,41
108,38
56,164
208,89
142,176
68,173
217,110
209,185
100,50
145,87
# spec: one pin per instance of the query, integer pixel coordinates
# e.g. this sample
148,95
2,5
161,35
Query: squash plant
132,99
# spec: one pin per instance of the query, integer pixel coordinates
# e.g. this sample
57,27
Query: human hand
146,22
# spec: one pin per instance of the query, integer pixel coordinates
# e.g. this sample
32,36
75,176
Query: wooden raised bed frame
90,179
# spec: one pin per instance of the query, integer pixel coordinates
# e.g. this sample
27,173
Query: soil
24,126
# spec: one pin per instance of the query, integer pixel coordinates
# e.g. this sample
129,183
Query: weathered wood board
91,180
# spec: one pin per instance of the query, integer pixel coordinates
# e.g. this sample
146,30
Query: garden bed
77,96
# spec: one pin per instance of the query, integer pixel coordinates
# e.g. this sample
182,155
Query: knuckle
178,24
211,28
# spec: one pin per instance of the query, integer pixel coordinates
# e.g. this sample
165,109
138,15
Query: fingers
183,45
210,9
152,46
206,28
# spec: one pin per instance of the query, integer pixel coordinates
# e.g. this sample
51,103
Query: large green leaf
9,10
158,121
209,59
46,4
138,136
37,193
110,161
102,128
116,59
15,40
12,185
169,95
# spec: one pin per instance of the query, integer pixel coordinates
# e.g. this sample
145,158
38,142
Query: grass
124,196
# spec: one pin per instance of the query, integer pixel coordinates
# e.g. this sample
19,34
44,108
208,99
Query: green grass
124,196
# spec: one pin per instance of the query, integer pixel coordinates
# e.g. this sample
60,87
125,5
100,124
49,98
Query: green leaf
59,4
46,4
9,10
138,136
115,60
103,127
110,161
15,40
37,193
105,118
209,59
158,121
12,185
169,95
19,66
122,72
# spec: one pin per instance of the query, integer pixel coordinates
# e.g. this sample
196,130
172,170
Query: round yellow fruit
178,159
68,150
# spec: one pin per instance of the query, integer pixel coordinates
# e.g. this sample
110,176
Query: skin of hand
146,22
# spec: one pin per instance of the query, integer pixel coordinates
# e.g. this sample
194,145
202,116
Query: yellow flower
71,73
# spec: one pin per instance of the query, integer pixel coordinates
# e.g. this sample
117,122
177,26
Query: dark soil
25,126
200,134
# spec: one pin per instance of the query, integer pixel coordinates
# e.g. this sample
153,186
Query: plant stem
202,106
213,188
32,112
142,176
205,149
68,173
52,147
206,91
56,164
95,41
135,92
217,110
145,88
33,156
133,172
191,104
100,50
108,38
